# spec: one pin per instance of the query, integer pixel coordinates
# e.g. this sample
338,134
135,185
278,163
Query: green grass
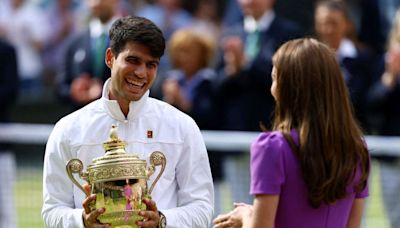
375,215
28,199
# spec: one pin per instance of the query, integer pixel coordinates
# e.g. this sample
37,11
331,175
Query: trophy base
121,219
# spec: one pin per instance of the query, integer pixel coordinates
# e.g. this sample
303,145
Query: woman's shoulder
274,138
272,142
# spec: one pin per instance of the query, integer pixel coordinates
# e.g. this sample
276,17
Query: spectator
84,71
247,50
312,169
190,86
383,101
246,60
170,16
61,16
24,26
8,94
334,27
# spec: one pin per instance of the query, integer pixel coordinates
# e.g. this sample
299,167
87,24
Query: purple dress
276,170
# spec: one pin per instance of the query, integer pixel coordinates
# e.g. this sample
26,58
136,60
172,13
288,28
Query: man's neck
123,104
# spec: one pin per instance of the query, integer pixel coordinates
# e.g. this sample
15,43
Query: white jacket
185,191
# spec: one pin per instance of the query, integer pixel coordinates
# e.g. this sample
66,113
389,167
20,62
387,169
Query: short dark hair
139,30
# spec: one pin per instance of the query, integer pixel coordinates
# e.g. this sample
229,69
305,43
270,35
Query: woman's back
275,170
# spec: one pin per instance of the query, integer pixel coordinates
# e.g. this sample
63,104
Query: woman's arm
264,212
356,213
261,214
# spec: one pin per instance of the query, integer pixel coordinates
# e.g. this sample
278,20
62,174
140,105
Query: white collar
346,49
97,28
251,24
113,108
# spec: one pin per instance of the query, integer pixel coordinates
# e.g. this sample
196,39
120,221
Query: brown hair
187,37
312,98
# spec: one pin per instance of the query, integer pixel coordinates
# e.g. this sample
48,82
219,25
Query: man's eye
151,65
133,60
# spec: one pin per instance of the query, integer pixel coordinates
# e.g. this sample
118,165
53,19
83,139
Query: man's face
133,72
102,9
255,8
331,26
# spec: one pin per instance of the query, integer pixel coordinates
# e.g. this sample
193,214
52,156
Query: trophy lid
116,164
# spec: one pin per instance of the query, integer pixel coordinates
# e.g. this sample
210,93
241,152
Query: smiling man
183,197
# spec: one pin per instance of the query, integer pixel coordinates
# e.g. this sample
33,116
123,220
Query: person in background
183,196
242,100
312,169
170,16
24,26
383,104
190,86
9,80
61,17
206,17
247,49
84,71
334,27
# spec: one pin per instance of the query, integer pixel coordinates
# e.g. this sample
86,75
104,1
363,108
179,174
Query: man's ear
109,58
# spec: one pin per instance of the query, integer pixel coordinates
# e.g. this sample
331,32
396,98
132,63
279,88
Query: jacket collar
112,106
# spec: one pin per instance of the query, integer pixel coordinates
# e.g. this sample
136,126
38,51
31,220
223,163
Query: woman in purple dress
312,169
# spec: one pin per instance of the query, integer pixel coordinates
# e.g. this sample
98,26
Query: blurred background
216,68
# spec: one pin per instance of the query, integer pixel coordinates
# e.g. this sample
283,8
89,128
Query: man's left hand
151,217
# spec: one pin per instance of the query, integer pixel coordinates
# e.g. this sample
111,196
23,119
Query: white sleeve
195,190
58,197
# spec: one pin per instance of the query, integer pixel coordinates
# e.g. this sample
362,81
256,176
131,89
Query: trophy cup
119,181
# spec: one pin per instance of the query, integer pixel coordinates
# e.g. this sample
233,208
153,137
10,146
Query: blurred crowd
218,62
218,57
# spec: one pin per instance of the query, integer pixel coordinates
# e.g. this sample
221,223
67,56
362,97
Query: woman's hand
234,219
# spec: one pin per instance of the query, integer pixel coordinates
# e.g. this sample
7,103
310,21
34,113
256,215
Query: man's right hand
90,217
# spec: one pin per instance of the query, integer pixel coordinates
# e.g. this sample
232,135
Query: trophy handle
156,158
75,166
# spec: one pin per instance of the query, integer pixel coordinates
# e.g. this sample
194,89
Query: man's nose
140,70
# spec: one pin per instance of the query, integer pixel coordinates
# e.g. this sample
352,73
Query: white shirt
96,28
184,193
347,49
251,24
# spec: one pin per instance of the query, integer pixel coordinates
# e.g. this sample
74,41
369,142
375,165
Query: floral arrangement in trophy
119,180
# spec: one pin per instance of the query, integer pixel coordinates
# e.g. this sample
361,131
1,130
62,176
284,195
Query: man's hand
234,56
151,218
90,217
